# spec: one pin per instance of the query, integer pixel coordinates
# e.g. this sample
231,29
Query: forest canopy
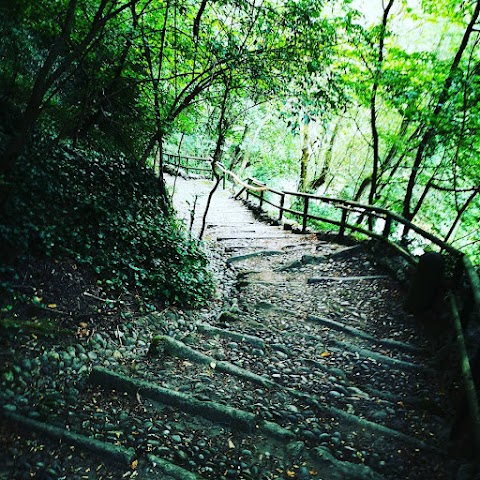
374,101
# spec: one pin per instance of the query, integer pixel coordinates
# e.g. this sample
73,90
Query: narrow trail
353,375
306,366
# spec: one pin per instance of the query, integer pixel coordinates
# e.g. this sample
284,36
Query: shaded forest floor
304,366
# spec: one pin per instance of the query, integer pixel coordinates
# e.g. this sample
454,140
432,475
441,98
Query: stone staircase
305,367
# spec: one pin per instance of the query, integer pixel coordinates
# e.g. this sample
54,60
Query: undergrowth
106,213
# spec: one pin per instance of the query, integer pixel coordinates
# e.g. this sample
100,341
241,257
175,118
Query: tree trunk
223,125
430,132
460,212
88,121
373,106
322,177
237,153
42,83
399,161
306,153
363,186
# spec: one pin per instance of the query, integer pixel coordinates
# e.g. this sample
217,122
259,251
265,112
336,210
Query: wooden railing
347,208
281,201
201,166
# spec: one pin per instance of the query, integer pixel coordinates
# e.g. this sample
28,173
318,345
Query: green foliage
107,213
124,77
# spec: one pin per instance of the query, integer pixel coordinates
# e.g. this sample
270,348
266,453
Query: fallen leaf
325,354
230,443
213,365
290,474
134,465
52,305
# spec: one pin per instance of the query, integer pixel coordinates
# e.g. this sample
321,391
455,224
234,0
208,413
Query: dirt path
305,367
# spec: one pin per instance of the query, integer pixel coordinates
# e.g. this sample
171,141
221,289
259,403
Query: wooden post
282,203
305,214
224,184
474,282
388,226
237,196
469,383
261,198
343,221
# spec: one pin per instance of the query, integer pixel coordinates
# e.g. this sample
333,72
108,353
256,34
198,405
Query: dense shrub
107,213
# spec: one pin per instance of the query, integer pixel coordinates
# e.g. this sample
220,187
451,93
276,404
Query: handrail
175,160
346,206
189,157
257,189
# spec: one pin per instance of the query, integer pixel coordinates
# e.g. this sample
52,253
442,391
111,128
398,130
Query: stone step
314,280
113,452
251,236
260,253
341,327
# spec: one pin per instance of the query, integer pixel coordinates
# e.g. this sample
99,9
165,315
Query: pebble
303,473
163,451
309,435
182,455
117,355
54,356
292,408
98,338
27,364
379,415
92,355
258,352
335,394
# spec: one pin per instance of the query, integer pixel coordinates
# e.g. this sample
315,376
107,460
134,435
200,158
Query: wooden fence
278,201
201,166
